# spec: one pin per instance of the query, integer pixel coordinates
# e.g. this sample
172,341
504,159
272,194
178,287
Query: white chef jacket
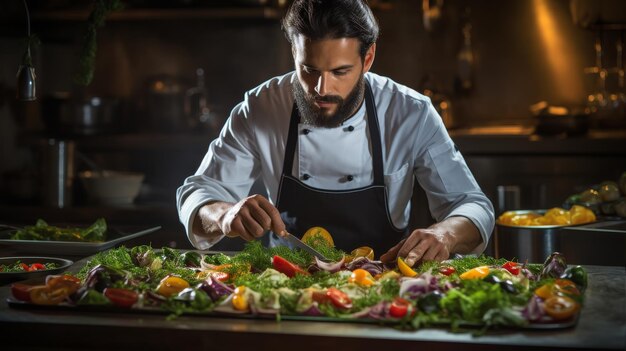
415,146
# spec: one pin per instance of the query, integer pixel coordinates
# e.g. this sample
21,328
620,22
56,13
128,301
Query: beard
313,115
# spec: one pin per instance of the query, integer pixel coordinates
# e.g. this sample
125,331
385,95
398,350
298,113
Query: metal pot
67,116
557,120
532,244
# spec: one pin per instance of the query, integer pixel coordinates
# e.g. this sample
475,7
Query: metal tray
115,236
13,303
8,277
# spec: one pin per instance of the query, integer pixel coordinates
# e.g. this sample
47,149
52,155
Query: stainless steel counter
602,326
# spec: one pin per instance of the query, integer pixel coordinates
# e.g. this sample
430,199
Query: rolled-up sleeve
226,173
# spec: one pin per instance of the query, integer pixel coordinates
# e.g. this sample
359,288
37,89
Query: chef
336,146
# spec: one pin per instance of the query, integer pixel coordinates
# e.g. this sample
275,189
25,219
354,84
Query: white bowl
112,187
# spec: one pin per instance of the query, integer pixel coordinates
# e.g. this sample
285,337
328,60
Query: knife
301,245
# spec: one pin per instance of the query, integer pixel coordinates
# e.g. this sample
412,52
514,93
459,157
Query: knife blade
301,245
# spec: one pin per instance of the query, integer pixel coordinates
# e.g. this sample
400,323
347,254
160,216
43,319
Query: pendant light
26,89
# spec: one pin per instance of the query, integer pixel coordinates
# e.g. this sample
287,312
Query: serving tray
17,304
114,236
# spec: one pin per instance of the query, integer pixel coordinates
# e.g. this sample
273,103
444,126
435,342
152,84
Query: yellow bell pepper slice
171,285
475,273
240,300
405,269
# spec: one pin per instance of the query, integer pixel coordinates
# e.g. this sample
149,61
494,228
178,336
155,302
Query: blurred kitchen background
532,92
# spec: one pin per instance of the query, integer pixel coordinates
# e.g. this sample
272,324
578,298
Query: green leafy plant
96,19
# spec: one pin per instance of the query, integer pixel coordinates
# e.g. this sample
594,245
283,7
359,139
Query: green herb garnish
42,231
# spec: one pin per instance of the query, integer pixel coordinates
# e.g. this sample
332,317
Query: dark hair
332,19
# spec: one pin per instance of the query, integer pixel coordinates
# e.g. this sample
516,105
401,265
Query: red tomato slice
319,296
339,298
36,267
512,267
121,297
287,268
24,267
399,307
21,291
447,270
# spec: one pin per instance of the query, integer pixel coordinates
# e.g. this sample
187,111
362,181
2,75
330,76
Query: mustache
328,98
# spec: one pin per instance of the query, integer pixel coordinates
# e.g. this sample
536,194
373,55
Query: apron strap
372,123
292,138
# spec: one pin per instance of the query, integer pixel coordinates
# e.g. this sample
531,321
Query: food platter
476,292
60,265
114,236
14,303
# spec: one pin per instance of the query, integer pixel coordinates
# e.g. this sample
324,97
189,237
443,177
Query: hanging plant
96,19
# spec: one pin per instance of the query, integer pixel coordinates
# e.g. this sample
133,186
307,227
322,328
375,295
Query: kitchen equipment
597,243
65,115
112,187
114,237
7,277
57,172
301,245
559,120
532,244
165,103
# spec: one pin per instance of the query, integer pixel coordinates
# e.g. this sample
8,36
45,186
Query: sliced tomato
561,307
24,267
21,291
447,270
121,297
339,298
319,296
36,267
44,295
399,307
512,267
287,268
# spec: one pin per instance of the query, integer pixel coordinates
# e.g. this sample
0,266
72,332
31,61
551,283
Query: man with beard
339,147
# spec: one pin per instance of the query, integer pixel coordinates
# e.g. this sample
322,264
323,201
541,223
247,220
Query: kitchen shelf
150,14
130,141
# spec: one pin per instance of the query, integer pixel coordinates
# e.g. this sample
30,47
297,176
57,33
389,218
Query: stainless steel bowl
527,243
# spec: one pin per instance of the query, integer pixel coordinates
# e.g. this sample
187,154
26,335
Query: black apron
357,217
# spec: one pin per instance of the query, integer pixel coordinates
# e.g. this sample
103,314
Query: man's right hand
249,218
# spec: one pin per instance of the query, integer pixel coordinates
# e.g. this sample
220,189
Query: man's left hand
422,245
454,234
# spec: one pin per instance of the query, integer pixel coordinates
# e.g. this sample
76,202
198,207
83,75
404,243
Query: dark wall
524,51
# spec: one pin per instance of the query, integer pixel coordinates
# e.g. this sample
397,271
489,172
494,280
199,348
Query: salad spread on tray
43,231
289,283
